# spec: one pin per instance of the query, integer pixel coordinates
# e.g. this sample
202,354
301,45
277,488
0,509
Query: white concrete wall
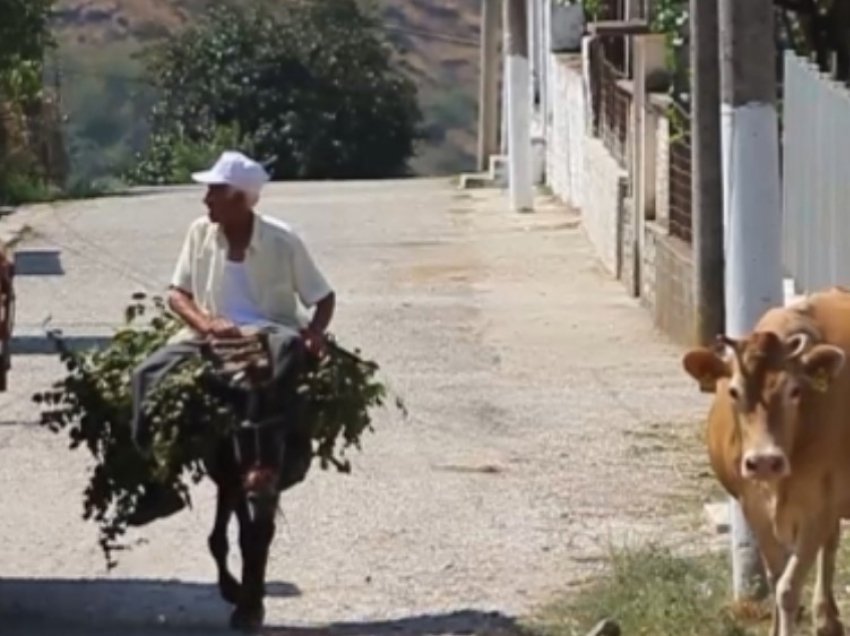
662,170
566,134
579,169
601,200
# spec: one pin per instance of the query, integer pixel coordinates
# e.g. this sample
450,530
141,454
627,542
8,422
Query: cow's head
768,381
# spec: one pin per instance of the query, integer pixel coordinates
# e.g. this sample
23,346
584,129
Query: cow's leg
826,609
775,558
255,537
227,585
774,554
791,583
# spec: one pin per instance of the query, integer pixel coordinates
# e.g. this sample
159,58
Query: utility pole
488,90
518,107
706,175
752,208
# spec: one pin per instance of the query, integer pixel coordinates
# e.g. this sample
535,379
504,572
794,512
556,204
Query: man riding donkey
238,272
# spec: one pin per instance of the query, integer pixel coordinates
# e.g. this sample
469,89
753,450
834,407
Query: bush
93,405
173,157
312,84
17,188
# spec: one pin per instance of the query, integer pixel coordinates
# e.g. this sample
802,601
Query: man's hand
221,328
313,336
314,342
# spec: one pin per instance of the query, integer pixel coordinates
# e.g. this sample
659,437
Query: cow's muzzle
765,465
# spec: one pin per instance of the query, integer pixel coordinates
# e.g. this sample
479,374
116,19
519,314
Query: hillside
107,101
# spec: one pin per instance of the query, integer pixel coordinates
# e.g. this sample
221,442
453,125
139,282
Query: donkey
268,453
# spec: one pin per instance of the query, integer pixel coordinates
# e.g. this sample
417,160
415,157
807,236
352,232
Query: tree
312,84
24,32
28,123
24,38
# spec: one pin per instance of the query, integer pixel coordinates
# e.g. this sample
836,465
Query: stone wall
667,273
668,283
629,253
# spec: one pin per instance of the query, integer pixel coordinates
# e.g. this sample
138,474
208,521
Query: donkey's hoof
247,621
230,590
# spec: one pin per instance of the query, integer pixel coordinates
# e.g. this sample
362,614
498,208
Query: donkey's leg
227,585
255,537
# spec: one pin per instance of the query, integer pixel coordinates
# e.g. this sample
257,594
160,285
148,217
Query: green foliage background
108,98
310,83
24,39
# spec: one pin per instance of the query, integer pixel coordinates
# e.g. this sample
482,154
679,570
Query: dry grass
651,591
680,445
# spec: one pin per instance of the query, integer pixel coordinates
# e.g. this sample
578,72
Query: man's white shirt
277,274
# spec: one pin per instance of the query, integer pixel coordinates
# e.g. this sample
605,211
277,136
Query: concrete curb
494,177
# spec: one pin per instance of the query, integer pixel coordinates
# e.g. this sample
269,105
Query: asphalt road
530,376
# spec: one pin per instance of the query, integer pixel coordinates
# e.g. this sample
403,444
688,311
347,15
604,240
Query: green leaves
671,18
92,404
24,31
313,83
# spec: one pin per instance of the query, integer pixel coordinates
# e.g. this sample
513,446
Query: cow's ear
706,367
821,364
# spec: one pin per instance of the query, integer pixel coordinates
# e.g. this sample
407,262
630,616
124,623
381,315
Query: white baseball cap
236,170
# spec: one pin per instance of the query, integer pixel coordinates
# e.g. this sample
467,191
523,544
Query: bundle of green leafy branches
93,403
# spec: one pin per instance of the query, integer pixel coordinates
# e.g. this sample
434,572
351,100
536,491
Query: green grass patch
650,591
21,189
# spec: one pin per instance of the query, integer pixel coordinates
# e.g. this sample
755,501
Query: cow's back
829,312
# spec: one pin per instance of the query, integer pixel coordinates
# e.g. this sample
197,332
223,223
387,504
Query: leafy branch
92,404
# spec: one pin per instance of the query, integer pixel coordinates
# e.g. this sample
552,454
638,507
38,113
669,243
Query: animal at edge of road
779,442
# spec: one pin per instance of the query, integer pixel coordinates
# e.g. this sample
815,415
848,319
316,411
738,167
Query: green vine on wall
671,18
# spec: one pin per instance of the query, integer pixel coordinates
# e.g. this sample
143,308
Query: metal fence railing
614,105
815,177
679,175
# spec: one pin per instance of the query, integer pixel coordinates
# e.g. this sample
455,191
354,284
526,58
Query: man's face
224,204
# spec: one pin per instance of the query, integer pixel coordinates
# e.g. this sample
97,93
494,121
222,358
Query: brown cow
778,436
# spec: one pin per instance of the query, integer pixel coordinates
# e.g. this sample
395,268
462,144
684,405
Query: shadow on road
106,607
120,601
454,623
42,345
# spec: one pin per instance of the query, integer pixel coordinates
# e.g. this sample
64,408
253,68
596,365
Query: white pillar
519,107
752,209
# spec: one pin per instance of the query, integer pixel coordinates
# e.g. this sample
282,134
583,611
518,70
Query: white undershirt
238,304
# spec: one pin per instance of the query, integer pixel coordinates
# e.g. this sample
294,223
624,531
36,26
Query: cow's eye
795,393
734,393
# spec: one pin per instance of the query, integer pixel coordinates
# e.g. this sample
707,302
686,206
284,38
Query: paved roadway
528,372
